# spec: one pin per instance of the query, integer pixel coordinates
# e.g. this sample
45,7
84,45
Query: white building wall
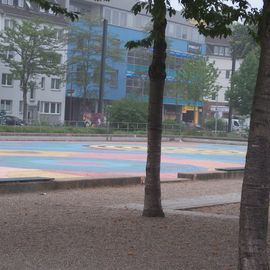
46,94
224,65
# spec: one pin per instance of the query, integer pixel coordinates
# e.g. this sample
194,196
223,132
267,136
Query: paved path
107,159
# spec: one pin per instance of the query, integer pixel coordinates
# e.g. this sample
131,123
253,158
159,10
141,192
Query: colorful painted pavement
99,159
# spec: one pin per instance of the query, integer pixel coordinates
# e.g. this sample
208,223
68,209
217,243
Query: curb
212,175
70,183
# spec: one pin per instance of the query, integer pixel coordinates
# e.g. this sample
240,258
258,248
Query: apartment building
218,52
46,102
130,76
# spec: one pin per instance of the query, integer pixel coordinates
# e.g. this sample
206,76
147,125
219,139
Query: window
55,83
7,79
7,2
8,23
50,107
216,50
221,50
184,32
171,29
107,14
32,93
214,96
6,105
227,51
42,83
115,17
178,31
59,34
228,73
113,78
8,54
123,19
21,3
21,106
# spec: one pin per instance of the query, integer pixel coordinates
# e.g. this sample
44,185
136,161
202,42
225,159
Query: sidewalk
95,229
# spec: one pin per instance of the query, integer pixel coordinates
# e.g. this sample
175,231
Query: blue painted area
127,159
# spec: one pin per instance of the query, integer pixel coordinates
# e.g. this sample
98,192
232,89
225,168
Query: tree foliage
128,110
197,79
242,40
243,83
29,49
85,43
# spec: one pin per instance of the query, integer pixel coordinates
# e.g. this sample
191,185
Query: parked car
13,121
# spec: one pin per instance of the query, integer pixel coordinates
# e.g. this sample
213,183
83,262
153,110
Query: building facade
54,101
46,102
131,74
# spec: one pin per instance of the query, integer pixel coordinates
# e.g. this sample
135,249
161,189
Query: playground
111,159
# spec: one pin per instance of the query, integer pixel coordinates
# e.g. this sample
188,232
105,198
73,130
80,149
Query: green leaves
56,9
85,43
214,17
197,79
128,111
35,48
243,83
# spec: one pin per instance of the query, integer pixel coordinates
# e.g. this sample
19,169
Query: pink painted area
200,163
115,156
164,159
79,163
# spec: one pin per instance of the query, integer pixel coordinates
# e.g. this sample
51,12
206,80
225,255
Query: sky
254,3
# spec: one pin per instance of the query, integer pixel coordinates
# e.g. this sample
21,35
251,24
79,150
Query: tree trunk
25,106
256,184
157,75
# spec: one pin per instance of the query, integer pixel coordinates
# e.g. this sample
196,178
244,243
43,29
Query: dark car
13,121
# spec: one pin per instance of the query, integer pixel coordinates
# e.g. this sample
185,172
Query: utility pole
102,66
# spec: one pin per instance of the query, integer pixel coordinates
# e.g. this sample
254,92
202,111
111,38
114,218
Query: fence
121,128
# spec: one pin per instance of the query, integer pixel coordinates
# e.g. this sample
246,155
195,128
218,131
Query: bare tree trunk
157,75
256,184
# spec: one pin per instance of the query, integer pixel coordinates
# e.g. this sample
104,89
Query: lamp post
102,66
70,92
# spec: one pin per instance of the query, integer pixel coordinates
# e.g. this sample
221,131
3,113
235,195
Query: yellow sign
188,108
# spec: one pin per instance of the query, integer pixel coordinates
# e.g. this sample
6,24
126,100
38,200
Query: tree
157,75
85,38
243,84
197,79
128,110
241,43
29,49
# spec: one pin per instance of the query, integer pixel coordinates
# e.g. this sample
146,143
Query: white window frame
6,80
42,83
8,2
4,106
55,83
21,3
46,107
8,23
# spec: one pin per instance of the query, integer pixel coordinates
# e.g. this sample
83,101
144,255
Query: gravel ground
85,229
225,209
